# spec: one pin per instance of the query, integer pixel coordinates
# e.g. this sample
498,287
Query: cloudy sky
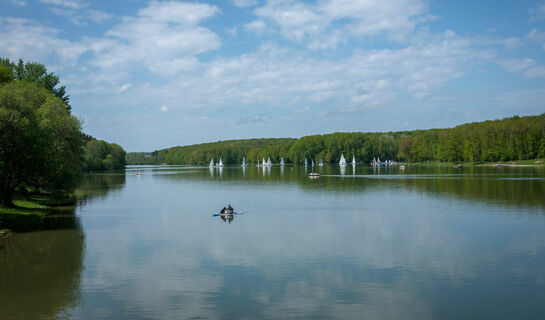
154,74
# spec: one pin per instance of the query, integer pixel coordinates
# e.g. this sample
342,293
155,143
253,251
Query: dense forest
515,138
101,155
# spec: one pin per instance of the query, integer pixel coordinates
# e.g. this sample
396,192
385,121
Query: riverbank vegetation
101,155
510,139
43,151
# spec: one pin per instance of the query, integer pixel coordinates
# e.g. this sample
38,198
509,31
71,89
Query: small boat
230,213
353,160
457,166
314,175
138,173
264,162
243,162
211,163
342,162
312,162
306,162
269,162
220,164
282,162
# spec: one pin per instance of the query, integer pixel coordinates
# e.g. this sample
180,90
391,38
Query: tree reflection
41,271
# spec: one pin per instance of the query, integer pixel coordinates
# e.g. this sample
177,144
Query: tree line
515,138
42,146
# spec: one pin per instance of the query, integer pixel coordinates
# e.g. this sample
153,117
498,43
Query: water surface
424,243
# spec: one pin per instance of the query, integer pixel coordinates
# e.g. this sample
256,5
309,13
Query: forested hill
515,138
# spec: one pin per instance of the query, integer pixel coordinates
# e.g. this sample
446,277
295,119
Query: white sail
342,162
243,161
313,162
269,162
220,164
264,163
353,160
306,163
281,161
211,163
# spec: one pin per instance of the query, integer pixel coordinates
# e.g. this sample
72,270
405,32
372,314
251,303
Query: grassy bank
27,213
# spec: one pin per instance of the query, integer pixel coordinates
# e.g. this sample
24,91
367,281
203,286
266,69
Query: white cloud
244,3
330,20
98,16
527,67
164,108
71,4
23,38
19,3
124,87
257,26
162,35
537,14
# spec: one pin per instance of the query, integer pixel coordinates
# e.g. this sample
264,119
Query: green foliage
516,138
6,75
35,73
41,144
101,155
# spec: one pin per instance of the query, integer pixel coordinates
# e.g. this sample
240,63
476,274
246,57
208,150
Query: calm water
420,244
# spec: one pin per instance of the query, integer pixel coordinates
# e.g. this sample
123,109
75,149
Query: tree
101,155
37,73
41,144
6,75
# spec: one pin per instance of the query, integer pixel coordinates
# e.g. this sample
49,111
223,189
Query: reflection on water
40,272
426,243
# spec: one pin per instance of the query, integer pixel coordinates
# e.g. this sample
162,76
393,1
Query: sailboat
343,161
264,163
220,164
282,162
321,163
243,161
306,162
269,162
312,162
211,163
353,160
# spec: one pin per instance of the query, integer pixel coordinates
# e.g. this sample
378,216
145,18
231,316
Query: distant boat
138,173
306,162
321,163
243,161
313,175
353,160
269,162
211,163
312,162
342,162
220,164
282,161
264,163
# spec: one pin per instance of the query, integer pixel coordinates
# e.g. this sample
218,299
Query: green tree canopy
41,144
36,73
101,155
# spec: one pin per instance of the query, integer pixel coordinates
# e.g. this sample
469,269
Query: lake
423,243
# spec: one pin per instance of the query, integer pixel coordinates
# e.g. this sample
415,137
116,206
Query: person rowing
227,210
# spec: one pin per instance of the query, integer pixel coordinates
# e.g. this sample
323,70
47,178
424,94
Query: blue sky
155,74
